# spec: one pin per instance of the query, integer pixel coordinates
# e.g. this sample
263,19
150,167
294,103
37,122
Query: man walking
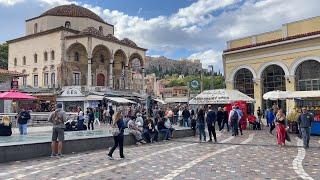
23,118
211,121
225,119
57,118
304,122
234,119
186,116
220,118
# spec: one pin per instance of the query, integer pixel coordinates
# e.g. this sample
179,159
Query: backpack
56,119
235,116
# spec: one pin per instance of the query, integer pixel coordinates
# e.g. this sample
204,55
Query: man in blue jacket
211,121
305,119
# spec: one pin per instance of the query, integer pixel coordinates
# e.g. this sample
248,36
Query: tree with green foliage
4,56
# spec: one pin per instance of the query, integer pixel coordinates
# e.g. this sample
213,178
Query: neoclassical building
285,59
70,45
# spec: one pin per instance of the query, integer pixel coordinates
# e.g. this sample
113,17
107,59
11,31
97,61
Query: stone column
111,74
229,84
143,80
290,86
125,78
257,93
89,79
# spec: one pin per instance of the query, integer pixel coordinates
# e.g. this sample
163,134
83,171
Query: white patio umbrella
220,96
276,95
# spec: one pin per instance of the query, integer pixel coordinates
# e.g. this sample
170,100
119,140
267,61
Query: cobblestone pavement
254,155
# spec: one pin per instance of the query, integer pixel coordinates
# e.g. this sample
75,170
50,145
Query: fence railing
37,119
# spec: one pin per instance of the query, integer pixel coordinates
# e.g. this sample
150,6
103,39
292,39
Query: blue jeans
305,132
202,132
166,133
186,122
23,129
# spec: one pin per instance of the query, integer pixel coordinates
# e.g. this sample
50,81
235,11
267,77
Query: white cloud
204,26
208,57
10,2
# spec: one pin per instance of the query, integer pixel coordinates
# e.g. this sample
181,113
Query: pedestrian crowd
148,126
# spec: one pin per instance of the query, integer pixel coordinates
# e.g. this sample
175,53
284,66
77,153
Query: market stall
310,100
226,98
220,96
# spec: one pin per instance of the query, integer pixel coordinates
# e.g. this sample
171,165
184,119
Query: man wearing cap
57,118
305,119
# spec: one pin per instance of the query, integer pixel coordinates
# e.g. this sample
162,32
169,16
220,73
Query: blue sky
173,28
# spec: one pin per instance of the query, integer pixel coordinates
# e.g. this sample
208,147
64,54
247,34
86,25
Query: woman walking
281,128
201,125
118,139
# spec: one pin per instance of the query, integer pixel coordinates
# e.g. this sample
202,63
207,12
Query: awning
94,98
177,100
304,94
220,96
70,98
120,100
276,95
160,101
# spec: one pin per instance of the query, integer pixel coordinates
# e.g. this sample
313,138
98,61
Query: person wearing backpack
57,118
234,119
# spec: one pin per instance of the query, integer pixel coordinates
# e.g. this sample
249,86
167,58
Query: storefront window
308,76
243,81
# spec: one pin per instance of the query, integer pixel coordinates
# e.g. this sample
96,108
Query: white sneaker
110,157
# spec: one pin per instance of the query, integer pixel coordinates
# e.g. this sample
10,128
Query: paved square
254,155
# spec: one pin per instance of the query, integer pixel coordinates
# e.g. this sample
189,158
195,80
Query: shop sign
72,92
14,85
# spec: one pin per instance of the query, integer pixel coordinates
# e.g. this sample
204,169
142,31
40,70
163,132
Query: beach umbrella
15,95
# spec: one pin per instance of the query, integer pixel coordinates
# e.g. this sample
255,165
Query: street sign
195,84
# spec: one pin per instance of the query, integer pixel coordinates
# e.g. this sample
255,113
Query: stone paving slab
183,158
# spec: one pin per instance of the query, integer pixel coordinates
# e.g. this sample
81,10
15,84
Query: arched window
273,79
102,58
24,60
52,55
45,55
35,58
45,79
76,56
243,81
15,62
35,28
53,80
308,76
100,29
67,24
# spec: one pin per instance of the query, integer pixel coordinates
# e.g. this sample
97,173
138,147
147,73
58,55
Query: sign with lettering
72,92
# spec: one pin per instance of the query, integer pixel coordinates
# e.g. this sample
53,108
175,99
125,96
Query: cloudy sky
173,28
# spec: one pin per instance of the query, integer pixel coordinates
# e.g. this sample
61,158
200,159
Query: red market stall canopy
15,95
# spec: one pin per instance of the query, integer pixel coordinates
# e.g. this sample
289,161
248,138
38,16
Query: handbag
115,130
288,137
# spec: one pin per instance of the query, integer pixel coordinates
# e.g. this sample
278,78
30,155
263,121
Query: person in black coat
5,127
162,129
149,131
225,119
220,117
211,121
